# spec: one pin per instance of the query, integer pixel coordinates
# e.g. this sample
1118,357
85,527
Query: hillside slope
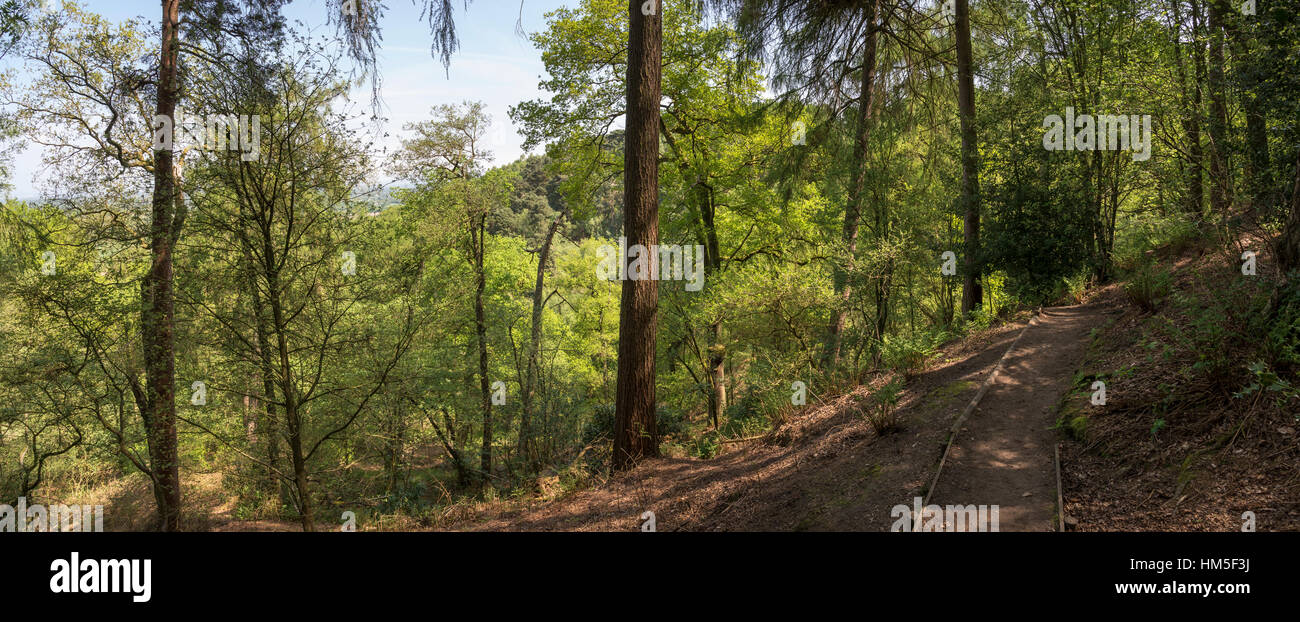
1182,442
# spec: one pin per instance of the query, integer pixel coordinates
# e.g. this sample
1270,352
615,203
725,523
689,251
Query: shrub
746,417
708,445
884,417
1283,342
908,354
671,422
1147,286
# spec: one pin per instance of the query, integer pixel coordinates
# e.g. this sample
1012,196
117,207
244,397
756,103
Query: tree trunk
857,183
300,473
157,306
396,446
479,234
1198,99
1194,204
635,433
717,376
292,416
717,371
972,292
534,348
269,429
1219,182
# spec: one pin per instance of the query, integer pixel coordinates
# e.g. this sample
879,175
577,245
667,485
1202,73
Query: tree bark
972,291
717,371
478,223
268,429
1194,204
292,416
717,375
635,433
1219,181
157,306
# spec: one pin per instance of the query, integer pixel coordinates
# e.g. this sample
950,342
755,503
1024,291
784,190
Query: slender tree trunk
1260,172
707,235
158,307
300,471
396,446
526,447
268,428
1190,96
883,284
857,183
635,433
717,371
717,375
972,292
1219,181
292,416
479,233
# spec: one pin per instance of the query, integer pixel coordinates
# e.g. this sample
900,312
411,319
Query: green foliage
1283,341
1077,427
884,416
707,445
384,364
1269,381
1037,236
749,416
1148,285
909,354
1146,233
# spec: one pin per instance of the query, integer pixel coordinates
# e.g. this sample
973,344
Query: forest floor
1173,449
827,469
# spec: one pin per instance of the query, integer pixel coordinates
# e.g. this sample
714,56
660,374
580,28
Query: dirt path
824,470
1003,454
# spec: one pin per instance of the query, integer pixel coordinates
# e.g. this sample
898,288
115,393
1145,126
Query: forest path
1003,454
826,469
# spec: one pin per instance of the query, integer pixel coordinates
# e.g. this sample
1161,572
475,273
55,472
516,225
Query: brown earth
1173,449
1004,453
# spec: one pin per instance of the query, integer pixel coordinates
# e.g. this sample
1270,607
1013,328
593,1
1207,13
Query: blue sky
494,65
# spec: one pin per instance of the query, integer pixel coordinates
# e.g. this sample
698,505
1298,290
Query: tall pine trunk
635,434
972,291
158,306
